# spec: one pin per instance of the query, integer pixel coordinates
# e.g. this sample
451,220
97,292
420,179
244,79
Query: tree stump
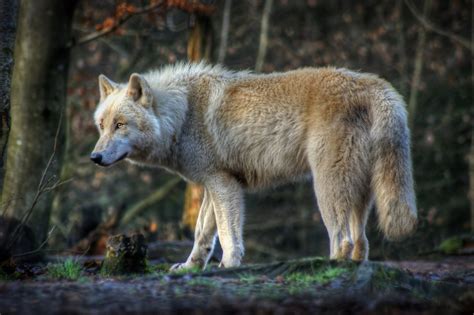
125,255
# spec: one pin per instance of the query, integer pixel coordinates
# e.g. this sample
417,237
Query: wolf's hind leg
342,202
336,219
204,236
341,172
358,220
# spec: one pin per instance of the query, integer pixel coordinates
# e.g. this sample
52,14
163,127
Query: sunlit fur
231,131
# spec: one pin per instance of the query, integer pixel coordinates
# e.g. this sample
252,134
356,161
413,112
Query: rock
125,255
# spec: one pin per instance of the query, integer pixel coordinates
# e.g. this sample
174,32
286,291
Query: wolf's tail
392,180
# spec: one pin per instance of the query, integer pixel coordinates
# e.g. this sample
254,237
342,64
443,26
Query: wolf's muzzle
96,157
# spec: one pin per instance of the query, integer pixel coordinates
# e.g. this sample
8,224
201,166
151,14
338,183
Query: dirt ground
444,286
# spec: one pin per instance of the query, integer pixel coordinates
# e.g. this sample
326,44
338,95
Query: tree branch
37,250
430,26
92,36
43,187
156,196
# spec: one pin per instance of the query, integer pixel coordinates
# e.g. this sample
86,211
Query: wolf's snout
96,157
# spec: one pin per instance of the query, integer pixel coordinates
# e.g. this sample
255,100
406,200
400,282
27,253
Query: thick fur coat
232,131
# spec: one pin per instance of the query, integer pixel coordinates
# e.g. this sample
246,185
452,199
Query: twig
39,247
430,26
43,187
92,36
57,184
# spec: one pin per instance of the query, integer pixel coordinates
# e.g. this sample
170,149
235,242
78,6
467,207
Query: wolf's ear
139,90
106,86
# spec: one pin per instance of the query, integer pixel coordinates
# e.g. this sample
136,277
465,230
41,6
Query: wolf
233,131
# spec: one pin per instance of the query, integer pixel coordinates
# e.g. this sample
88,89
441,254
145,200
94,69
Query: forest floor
310,285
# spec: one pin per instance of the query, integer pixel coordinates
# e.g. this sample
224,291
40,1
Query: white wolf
231,131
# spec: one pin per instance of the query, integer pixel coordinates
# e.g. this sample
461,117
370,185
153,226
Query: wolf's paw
184,266
179,266
230,263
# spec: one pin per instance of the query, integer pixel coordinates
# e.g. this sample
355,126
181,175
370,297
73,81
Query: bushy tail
392,180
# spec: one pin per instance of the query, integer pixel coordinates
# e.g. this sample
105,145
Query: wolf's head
126,120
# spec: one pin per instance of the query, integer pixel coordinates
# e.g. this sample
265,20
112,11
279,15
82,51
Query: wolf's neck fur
171,86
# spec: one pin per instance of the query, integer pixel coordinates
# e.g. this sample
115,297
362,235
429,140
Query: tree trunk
262,47
200,44
400,29
471,179
8,16
200,40
415,83
224,32
37,102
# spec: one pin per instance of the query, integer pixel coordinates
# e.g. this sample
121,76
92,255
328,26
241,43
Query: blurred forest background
423,47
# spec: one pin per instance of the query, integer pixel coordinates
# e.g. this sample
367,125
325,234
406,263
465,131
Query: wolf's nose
96,157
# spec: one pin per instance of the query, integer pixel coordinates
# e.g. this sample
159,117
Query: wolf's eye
118,125
101,126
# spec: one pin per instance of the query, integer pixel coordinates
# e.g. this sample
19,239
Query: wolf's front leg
204,236
227,197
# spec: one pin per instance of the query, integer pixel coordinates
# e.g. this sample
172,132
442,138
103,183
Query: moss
451,245
203,282
185,271
157,269
301,282
70,269
248,278
386,278
318,277
125,255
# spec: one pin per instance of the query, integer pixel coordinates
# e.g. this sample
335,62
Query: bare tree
224,32
427,24
38,100
8,17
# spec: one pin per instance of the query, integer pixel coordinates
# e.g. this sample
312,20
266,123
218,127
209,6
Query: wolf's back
392,179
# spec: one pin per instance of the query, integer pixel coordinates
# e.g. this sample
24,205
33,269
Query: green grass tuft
186,271
321,277
451,245
70,269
